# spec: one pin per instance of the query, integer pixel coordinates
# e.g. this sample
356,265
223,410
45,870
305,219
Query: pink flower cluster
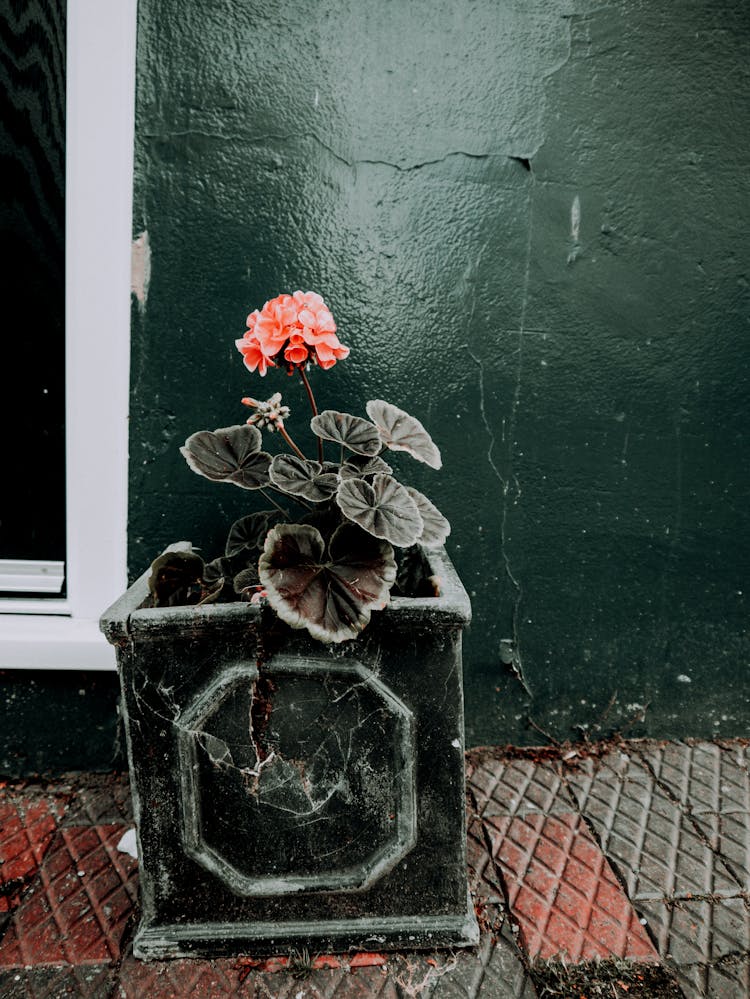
291,331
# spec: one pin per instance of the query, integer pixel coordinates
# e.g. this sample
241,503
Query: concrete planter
290,794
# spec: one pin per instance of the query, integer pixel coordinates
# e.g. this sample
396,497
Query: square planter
290,794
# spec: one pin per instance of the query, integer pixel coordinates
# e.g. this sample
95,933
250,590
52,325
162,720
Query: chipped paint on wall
140,268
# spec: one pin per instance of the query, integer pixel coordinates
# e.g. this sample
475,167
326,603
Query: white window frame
100,127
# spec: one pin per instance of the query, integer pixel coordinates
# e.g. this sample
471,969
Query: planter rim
126,617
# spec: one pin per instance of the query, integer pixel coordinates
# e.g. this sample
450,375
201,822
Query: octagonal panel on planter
299,778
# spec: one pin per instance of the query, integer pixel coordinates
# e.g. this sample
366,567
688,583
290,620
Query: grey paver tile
653,842
706,943
515,787
732,830
728,980
493,971
104,799
92,982
160,979
484,883
711,778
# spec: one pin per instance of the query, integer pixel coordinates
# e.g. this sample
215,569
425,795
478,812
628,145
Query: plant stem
310,395
290,442
287,496
272,500
314,408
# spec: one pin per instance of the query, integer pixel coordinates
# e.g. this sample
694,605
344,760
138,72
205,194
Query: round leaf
176,578
218,568
210,593
230,454
342,428
436,527
401,432
300,477
248,533
330,593
384,509
245,580
357,466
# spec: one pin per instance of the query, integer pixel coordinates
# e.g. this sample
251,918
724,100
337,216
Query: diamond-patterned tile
27,826
493,971
562,892
103,799
600,780
77,911
514,787
711,778
483,880
163,979
728,980
228,977
705,942
699,931
92,982
732,831
658,849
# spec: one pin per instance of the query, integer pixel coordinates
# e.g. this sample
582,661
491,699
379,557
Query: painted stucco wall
529,220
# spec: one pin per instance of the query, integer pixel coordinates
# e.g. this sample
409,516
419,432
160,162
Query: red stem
290,442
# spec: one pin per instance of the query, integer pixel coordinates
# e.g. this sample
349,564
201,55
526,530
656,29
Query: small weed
301,964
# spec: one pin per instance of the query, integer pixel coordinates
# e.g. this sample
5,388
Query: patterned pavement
633,858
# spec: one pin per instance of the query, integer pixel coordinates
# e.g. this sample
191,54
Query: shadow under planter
290,794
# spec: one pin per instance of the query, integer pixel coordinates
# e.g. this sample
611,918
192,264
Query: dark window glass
32,277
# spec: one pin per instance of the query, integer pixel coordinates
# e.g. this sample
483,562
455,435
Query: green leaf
357,466
217,568
176,578
384,509
436,527
229,454
331,593
300,477
401,432
352,431
248,534
210,593
246,580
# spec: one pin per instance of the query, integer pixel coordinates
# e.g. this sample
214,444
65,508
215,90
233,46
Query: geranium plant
327,566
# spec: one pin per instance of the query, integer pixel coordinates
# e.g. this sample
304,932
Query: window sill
36,641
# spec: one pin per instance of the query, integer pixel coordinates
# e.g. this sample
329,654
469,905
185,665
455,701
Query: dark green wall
54,721
529,220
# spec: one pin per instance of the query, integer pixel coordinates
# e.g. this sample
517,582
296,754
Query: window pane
32,277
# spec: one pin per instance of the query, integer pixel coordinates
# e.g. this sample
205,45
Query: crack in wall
350,163
510,653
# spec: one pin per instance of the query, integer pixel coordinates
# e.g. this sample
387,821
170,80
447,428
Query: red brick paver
77,911
26,831
562,892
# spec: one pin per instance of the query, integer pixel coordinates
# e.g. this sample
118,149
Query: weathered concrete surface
526,221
